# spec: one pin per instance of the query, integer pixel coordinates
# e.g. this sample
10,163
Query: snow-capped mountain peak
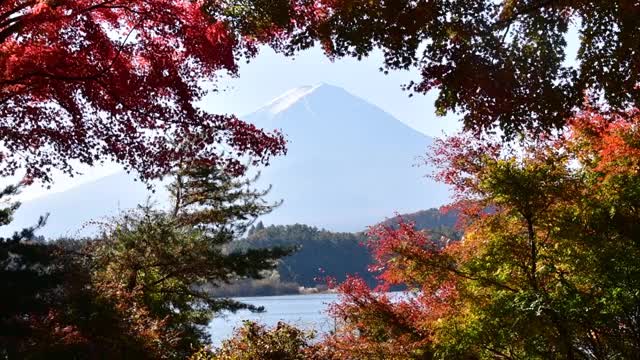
288,99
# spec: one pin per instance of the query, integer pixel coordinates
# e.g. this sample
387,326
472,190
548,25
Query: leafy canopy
255,341
93,80
500,63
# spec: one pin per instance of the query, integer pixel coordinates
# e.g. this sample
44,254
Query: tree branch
526,10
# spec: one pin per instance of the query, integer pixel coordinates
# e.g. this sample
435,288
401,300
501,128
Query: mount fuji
349,165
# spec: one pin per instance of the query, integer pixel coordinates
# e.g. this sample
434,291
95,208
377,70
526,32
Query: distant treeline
434,220
320,253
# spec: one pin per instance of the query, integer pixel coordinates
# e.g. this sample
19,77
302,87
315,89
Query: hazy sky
269,75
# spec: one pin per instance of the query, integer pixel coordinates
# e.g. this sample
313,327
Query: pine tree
51,309
165,260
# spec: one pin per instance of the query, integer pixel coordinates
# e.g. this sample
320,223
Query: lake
303,311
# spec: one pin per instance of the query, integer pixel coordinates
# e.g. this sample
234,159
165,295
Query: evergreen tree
51,308
164,260
23,279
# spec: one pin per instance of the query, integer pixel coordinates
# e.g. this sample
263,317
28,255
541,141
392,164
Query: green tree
163,260
51,308
24,279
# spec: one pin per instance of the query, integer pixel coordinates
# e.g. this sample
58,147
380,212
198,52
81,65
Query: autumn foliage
547,267
95,80
255,341
138,290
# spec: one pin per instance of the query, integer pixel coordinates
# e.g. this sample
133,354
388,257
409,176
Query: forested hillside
435,220
320,253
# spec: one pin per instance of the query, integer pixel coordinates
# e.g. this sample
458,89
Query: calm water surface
304,311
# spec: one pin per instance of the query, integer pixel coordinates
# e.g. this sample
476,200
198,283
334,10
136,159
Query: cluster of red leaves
402,253
94,80
367,317
50,331
458,159
607,142
376,323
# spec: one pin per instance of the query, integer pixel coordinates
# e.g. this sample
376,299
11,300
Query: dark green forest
320,254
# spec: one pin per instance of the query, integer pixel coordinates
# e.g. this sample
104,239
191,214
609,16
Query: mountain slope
71,211
349,165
